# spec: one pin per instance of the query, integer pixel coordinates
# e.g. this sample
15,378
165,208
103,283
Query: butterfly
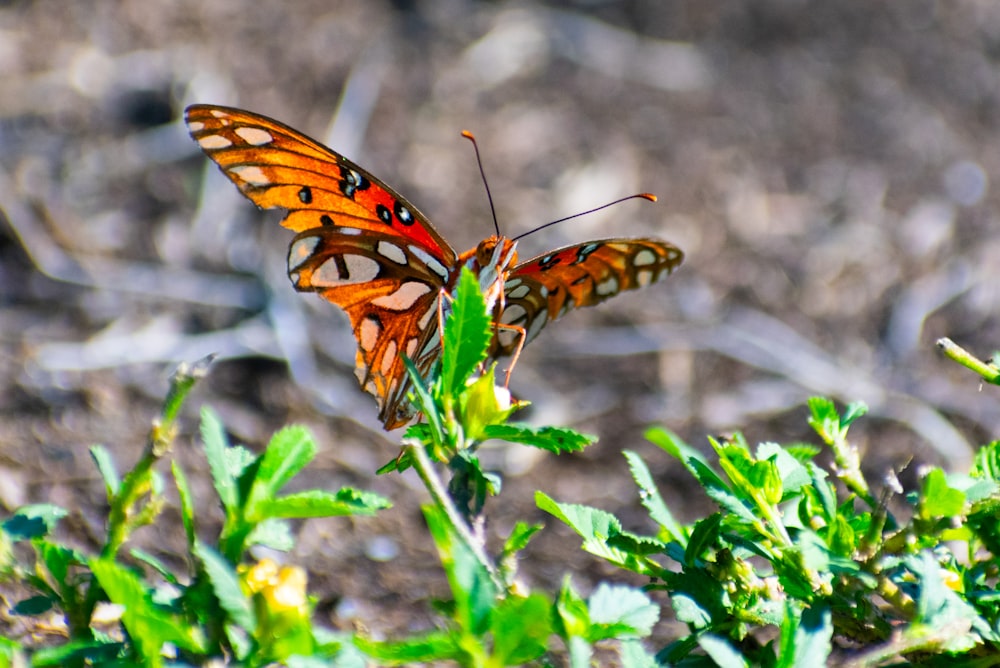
364,247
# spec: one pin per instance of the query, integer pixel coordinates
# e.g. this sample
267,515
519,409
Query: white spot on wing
513,315
644,277
429,260
300,251
426,317
196,126
536,325
392,252
213,142
518,292
388,358
404,297
255,136
644,258
608,286
358,269
253,175
411,347
368,334
218,113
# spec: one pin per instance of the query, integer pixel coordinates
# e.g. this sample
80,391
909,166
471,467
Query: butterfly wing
360,244
544,288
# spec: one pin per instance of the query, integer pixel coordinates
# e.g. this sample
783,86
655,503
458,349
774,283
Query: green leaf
149,626
650,498
289,451
617,611
593,525
703,536
552,439
521,628
474,591
572,615
634,655
213,436
987,462
853,411
34,521
35,605
721,652
467,334
519,537
155,564
226,586
793,474
273,533
320,503
428,648
937,499
187,501
106,467
806,641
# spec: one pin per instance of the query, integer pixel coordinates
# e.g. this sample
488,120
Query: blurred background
828,168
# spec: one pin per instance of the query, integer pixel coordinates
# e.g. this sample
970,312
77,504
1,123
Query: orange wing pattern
546,287
360,245
363,247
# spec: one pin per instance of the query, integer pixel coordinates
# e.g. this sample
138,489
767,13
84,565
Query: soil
826,167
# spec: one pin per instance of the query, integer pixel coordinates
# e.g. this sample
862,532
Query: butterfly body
365,248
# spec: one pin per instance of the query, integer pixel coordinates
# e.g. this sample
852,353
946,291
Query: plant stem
425,469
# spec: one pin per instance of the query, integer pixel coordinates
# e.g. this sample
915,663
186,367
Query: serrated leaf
186,500
573,617
471,586
617,611
427,648
705,533
226,587
273,533
320,503
149,625
467,334
809,643
289,451
721,652
213,437
552,439
106,467
519,537
521,628
593,525
938,499
650,498
33,521
154,563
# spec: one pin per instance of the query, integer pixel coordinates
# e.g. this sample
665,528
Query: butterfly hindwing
544,288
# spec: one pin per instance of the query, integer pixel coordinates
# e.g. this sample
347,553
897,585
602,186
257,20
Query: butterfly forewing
360,244
276,166
544,288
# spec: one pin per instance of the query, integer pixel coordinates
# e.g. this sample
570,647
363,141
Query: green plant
224,605
804,564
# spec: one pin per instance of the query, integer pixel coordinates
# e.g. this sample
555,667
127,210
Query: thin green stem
425,469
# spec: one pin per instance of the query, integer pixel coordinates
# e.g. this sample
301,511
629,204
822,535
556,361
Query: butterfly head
491,261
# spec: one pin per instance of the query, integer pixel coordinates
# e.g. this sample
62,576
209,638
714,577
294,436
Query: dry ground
827,166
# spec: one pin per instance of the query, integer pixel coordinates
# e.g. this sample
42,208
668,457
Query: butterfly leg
522,335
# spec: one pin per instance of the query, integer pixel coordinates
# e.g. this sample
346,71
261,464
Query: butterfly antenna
649,196
468,135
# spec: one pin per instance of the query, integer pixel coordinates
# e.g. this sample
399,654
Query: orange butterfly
363,247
